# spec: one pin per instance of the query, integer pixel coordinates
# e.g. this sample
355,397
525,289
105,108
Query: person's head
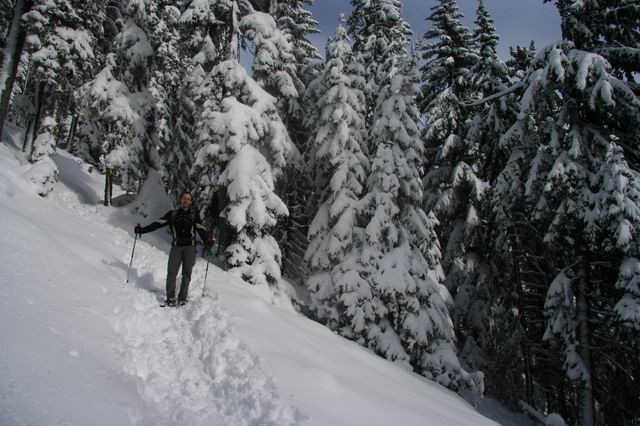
185,200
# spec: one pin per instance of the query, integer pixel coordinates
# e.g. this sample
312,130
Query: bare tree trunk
72,133
584,333
11,58
34,124
108,188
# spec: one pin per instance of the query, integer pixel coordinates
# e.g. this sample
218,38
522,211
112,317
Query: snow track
189,362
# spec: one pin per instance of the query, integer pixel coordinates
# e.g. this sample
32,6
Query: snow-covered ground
79,346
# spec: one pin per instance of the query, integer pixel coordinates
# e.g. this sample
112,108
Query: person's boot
182,302
170,302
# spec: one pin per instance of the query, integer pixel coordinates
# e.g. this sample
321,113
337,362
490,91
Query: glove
208,245
138,229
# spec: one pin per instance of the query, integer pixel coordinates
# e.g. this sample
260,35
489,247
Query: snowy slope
80,347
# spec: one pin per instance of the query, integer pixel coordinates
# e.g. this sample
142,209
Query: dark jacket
184,226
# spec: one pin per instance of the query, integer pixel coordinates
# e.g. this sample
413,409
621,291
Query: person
184,223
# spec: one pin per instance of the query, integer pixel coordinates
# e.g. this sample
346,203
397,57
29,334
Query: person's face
185,201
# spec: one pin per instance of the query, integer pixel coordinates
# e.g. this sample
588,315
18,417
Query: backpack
193,221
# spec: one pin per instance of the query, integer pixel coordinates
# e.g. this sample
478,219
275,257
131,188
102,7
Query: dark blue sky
517,21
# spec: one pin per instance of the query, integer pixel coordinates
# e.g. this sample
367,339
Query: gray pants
185,255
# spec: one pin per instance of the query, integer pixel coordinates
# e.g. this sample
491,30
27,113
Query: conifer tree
412,319
379,32
607,27
583,197
62,57
13,33
117,109
454,192
242,147
340,294
490,76
520,60
447,53
44,173
298,23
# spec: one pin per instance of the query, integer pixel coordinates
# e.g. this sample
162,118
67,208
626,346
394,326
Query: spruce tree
242,147
583,198
44,172
298,23
62,58
447,53
454,190
380,32
520,60
117,109
412,325
13,33
488,121
340,293
607,27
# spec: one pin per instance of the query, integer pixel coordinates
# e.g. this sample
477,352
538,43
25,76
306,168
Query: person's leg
188,260
175,258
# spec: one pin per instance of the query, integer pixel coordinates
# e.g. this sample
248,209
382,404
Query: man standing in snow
184,224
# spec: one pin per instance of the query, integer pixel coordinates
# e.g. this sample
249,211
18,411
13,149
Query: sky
517,21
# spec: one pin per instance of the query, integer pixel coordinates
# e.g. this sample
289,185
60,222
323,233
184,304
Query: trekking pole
131,261
206,272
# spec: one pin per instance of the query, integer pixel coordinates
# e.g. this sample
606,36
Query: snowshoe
169,302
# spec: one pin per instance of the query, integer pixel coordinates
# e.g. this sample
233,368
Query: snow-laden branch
505,92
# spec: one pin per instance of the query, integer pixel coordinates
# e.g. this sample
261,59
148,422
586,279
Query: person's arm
161,223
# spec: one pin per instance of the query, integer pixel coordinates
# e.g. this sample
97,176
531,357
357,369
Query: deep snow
81,347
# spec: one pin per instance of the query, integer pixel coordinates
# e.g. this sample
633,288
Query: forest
472,218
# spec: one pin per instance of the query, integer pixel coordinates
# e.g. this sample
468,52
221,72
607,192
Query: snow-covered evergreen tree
117,108
585,198
358,23
12,40
199,49
413,323
160,21
274,66
454,191
298,23
489,120
610,28
340,293
62,56
242,148
282,55
448,53
489,76
379,32
520,60
44,172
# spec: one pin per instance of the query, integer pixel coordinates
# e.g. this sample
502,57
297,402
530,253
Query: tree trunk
108,188
34,124
584,333
11,58
72,133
